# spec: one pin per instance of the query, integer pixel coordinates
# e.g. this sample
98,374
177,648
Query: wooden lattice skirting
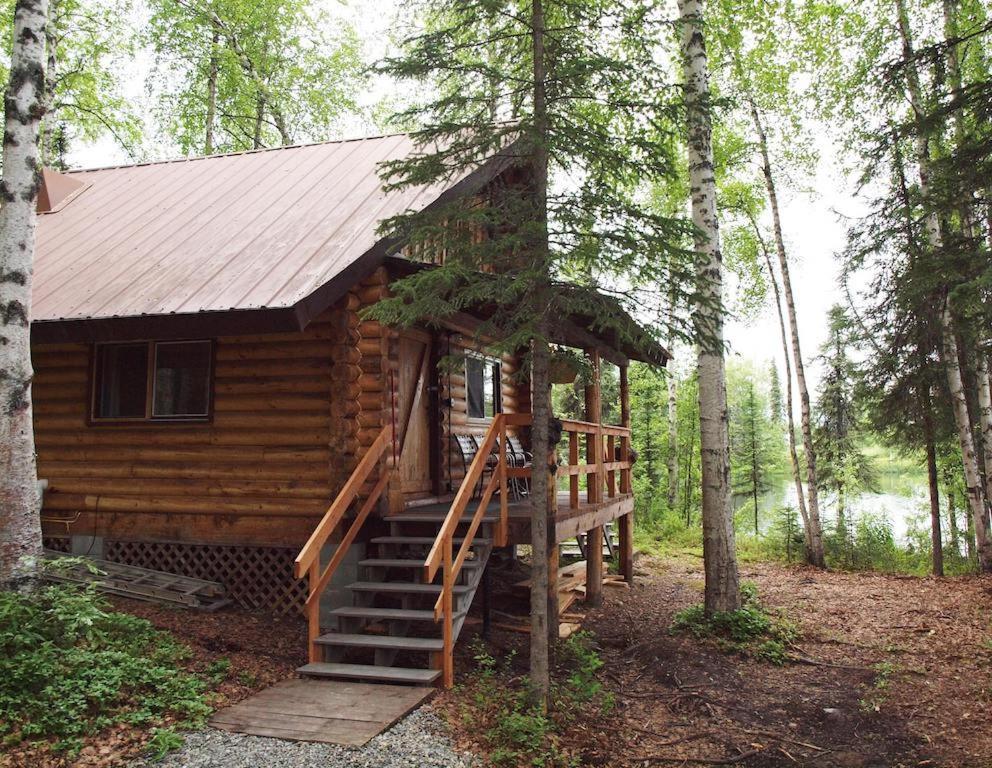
258,578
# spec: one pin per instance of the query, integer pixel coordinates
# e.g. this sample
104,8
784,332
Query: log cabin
209,400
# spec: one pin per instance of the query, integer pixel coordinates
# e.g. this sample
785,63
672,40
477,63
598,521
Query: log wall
292,415
288,426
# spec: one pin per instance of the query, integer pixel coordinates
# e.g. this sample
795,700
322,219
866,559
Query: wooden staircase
415,591
389,633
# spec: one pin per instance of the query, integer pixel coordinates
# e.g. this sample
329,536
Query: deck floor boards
328,711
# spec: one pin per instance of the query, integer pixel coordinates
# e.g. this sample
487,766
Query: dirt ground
897,671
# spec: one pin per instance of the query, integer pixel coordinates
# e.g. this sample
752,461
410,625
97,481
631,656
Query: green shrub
750,630
163,741
70,666
515,731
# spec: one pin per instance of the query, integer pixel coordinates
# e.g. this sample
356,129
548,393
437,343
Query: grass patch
497,705
751,630
878,690
71,667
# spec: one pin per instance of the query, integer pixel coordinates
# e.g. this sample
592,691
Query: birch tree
24,107
758,68
949,346
232,75
722,591
87,45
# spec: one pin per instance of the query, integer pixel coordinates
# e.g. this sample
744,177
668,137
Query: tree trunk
208,138
815,536
952,522
936,544
790,421
673,425
972,477
256,141
985,416
754,457
673,442
949,347
20,524
722,591
48,149
540,602
687,494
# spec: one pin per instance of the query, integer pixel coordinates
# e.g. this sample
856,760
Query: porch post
626,485
594,537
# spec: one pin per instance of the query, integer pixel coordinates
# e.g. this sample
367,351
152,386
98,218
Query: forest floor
894,671
888,671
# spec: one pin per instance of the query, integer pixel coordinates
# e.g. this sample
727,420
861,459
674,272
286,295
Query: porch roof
609,329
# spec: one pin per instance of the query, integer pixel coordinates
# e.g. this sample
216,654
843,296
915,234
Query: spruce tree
571,99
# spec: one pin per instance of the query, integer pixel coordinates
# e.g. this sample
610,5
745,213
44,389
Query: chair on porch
520,458
468,447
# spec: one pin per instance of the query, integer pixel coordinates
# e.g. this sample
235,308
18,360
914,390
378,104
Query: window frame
152,359
490,363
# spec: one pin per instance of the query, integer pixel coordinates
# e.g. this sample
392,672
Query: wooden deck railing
601,472
442,556
308,561
601,466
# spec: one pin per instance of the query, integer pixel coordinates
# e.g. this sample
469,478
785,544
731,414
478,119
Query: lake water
900,497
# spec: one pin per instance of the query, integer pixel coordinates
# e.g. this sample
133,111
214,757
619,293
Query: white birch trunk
24,106
719,555
949,347
673,442
814,536
790,420
985,419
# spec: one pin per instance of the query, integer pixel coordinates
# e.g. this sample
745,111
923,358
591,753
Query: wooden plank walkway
328,711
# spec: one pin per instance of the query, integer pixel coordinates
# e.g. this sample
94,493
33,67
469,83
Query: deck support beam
627,521
594,455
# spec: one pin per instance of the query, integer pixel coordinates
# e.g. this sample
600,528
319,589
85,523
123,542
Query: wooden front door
413,413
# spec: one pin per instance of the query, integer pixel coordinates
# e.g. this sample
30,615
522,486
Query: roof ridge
193,158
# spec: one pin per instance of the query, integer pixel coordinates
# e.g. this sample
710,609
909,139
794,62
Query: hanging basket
562,371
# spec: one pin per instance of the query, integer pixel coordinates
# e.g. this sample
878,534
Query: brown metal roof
224,237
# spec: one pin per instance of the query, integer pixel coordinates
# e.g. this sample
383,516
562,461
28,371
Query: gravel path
417,741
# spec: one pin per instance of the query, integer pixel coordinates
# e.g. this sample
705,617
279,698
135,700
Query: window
482,385
155,380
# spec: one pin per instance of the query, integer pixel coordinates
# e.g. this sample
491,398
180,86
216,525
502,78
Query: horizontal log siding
261,473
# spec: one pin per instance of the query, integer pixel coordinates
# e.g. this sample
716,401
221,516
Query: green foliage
750,630
878,691
88,42
515,731
70,666
757,444
163,741
284,71
842,466
603,135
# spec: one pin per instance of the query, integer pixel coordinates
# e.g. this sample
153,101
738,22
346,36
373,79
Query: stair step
370,672
383,641
434,517
388,563
428,540
402,587
386,614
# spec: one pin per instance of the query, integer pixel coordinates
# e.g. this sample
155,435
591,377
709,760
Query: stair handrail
441,555
308,560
